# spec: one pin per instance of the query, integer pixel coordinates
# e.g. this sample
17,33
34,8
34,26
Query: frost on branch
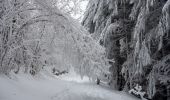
36,35
159,78
138,91
142,42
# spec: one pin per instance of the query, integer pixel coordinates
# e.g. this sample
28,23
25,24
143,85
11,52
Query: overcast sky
83,6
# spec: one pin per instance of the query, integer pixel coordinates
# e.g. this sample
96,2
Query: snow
26,87
138,91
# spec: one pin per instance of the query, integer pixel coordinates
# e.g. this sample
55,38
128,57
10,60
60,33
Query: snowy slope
25,87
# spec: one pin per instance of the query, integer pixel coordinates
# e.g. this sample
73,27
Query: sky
83,6
75,8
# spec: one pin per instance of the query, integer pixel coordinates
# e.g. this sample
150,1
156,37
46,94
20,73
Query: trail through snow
25,87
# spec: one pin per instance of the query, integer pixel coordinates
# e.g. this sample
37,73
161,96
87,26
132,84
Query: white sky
83,6
75,8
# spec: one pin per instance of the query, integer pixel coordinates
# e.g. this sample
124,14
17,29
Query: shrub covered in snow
137,91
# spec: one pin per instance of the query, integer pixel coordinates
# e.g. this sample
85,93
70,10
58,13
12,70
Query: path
28,88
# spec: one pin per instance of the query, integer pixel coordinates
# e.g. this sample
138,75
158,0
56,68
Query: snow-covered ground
26,87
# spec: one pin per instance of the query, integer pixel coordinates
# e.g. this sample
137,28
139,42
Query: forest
84,49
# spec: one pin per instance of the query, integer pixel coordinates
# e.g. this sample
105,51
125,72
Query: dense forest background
136,35
125,43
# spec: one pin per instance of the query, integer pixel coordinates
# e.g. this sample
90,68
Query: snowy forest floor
26,87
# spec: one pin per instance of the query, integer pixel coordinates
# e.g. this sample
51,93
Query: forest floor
26,87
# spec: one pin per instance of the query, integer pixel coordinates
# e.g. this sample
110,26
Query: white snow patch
25,87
